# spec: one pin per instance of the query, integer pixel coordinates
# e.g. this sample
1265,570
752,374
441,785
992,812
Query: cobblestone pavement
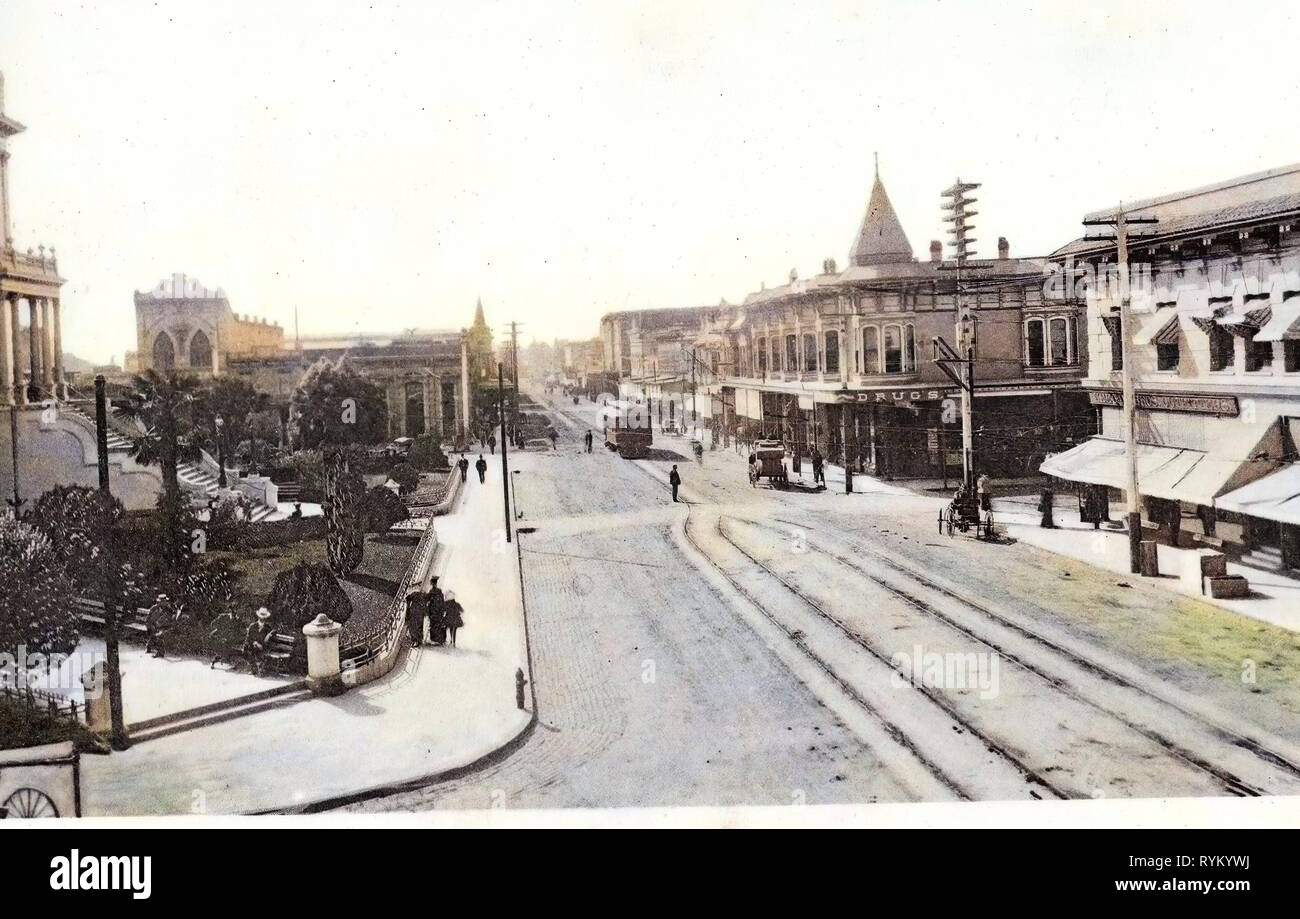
651,690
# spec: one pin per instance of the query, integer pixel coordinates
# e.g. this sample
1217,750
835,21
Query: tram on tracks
627,428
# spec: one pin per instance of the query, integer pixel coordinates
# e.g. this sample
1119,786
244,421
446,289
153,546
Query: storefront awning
1274,497
1246,322
1283,324
1174,473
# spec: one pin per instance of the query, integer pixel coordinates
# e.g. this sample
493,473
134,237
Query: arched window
832,352
200,352
1035,350
776,354
870,350
1058,341
893,349
791,354
164,352
810,353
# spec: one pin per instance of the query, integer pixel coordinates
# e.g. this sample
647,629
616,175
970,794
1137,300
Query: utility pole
958,206
695,418
1133,515
117,733
505,468
514,373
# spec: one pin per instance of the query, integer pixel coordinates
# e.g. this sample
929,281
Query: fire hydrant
520,683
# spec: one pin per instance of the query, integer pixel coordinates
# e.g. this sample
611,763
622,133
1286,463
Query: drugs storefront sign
891,396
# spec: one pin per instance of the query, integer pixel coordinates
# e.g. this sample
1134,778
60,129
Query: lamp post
221,453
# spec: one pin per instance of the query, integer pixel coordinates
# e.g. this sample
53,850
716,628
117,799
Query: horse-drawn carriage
769,462
965,511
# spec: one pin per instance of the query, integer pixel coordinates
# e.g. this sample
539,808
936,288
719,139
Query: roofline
1172,197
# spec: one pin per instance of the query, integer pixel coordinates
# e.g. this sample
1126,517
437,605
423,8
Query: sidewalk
440,709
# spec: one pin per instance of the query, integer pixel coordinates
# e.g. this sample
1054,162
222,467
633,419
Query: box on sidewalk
1229,586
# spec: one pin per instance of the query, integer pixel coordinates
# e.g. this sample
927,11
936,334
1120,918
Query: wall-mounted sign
1169,402
892,396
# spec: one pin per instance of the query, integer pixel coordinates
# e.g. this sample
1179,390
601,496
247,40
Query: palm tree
162,407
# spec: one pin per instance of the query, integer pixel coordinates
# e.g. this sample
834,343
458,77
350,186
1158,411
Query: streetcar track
1230,780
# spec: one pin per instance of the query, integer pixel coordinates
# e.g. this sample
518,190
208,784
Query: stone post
323,671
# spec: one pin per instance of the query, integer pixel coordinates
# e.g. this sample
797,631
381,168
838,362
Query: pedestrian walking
554,438
819,467
588,438
416,605
437,613
985,490
675,480
463,466
492,444
453,616
481,466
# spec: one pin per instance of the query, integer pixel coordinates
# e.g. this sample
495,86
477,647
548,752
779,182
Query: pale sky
381,165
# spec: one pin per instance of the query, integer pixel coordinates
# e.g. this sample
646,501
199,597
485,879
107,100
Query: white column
6,353
20,391
34,350
47,344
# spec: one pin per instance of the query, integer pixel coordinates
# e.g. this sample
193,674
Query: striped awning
1161,328
1207,319
1247,322
1283,324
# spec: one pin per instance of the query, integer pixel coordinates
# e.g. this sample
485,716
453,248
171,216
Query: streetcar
627,428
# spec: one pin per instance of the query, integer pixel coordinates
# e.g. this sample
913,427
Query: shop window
832,352
1167,356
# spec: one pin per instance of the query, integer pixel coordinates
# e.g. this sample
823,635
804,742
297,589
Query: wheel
29,803
952,519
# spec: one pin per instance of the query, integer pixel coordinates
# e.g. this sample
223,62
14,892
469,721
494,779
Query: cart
963,513
771,462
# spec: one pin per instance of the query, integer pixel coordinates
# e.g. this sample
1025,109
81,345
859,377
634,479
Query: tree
335,406
237,404
406,477
79,522
345,539
162,406
426,455
35,605
302,593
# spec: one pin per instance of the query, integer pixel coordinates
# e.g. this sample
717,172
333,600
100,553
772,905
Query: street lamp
221,453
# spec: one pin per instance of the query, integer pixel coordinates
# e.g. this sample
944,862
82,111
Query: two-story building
1214,284
845,359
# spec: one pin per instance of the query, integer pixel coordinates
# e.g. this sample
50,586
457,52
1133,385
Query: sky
382,165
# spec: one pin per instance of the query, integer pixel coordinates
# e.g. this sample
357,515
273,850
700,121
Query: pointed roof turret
478,313
881,241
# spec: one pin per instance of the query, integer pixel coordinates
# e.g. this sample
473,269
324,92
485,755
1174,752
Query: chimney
828,266
1004,248
936,251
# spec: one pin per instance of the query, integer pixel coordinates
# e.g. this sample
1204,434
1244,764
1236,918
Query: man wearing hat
256,637
416,604
436,613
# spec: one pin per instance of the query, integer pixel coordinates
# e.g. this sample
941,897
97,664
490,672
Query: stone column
6,353
19,390
34,341
47,345
59,378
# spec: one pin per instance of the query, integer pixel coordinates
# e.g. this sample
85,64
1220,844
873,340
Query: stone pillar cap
321,627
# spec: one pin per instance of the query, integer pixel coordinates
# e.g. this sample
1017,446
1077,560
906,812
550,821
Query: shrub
383,509
426,454
406,477
345,528
229,523
34,604
302,593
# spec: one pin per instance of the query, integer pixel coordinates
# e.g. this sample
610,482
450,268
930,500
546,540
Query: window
893,349
870,350
810,353
910,353
1167,356
791,354
1059,341
1259,355
200,352
776,355
832,352
1291,353
164,352
1035,354
762,355
1222,349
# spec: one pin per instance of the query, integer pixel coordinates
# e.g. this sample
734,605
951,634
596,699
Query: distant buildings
1216,354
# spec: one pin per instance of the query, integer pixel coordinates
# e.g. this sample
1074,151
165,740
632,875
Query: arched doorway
164,352
200,352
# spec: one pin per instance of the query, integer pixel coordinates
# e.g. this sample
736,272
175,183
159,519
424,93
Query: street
744,646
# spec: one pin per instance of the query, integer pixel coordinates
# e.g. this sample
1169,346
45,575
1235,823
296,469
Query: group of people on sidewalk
442,612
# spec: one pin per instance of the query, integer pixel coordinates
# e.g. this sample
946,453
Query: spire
881,241
478,313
